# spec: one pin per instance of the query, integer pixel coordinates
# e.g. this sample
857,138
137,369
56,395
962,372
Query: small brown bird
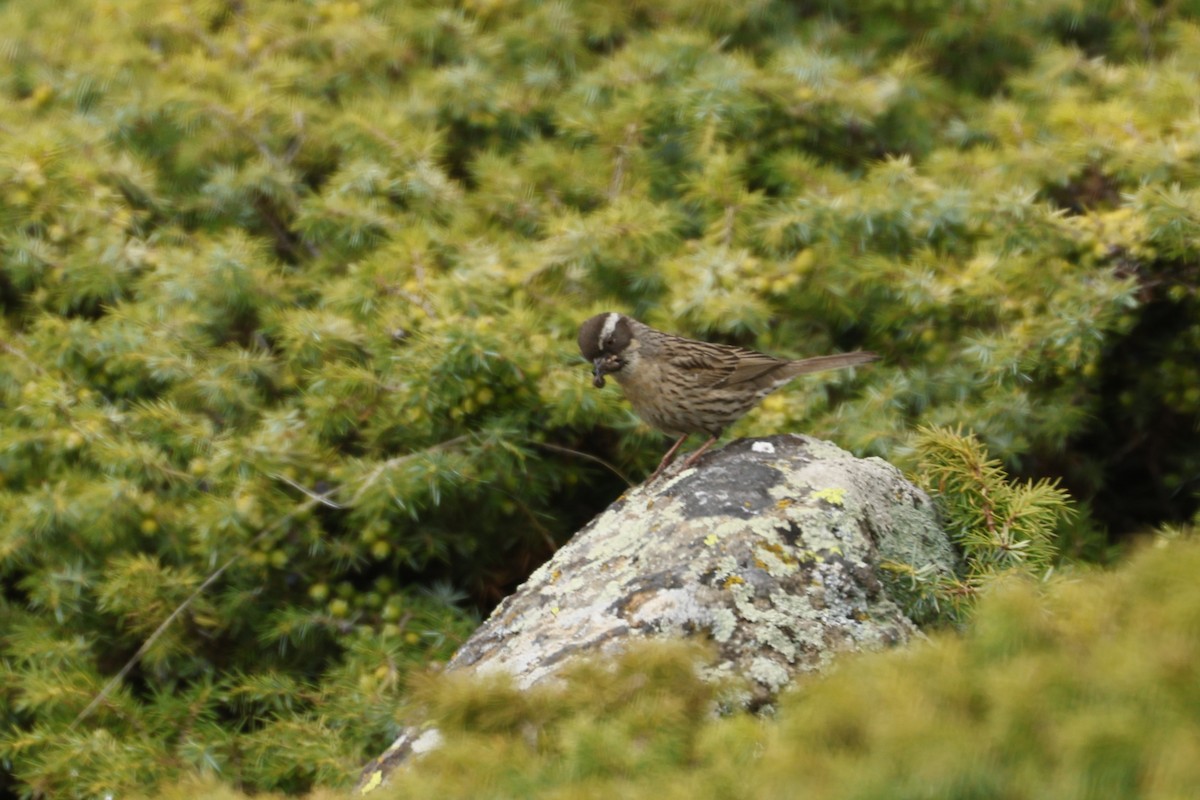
682,386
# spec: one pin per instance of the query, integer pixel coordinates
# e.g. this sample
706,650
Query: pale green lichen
767,672
821,450
724,623
776,562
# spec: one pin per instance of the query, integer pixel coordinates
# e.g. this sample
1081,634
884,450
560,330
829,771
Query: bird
682,386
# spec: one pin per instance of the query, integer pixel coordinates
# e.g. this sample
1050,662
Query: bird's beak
598,373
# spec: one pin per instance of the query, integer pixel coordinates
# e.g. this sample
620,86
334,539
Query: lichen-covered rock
769,547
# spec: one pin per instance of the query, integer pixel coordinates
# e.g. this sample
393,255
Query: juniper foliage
288,294
1002,527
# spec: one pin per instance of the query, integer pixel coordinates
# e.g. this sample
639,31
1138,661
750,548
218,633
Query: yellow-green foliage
1000,526
288,295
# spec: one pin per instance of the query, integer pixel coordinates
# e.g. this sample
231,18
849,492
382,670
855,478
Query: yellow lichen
373,782
834,496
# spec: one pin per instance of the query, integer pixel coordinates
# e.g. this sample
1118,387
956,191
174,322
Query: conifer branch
16,351
1000,525
309,504
323,499
619,165
285,240
418,268
166,623
580,454
369,480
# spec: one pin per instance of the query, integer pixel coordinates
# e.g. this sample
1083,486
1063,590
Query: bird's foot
690,461
666,460
694,457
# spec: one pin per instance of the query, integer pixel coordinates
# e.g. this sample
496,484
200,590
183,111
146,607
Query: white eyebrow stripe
610,325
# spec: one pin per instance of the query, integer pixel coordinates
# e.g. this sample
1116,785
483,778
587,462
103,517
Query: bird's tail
821,363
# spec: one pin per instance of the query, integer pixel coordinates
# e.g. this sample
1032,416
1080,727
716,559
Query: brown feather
835,361
752,367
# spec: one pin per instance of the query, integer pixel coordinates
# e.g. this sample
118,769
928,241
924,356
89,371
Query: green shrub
288,294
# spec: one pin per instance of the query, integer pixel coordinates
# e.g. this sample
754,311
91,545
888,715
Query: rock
770,547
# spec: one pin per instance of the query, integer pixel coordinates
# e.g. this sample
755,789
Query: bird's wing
722,365
750,366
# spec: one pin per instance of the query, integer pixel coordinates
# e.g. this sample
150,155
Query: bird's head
604,340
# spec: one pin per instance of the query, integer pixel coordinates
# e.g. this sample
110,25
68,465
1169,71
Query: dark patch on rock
793,448
860,575
866,526
645,589
760,581
791,533
741,490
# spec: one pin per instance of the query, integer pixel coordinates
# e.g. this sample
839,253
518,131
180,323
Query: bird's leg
667,458
694,457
